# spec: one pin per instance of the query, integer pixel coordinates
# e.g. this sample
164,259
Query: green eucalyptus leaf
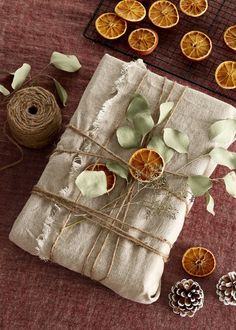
230,183
224,157
210,203
222,131
117,168
137,105
199,184
159,146
20,76
92,183
143,123
165,109
128,137
61,92
68,63
176,140
4,90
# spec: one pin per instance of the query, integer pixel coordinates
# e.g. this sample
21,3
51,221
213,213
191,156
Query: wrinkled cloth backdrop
38,295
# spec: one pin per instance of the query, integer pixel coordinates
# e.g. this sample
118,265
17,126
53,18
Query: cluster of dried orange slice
195,45
144,41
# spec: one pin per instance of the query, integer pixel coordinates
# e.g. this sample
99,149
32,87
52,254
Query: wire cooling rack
168,57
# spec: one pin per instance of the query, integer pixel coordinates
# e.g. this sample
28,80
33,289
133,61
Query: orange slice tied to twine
146,165
198,261
143,41
163,14
230,37
194,8
225,75
110,26
110,176
130,10
196,45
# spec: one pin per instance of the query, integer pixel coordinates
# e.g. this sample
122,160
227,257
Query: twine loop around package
33,117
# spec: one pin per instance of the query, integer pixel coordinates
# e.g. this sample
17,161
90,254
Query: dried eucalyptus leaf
165,109
68,63
20,76
128,137
61,92
143,123
230,183
92,183
159,146
224,157
210,203
199,184
137,105
176,140
222,131
117,168
4,90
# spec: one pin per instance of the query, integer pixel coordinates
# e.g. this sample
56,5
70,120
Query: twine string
33,117
99,218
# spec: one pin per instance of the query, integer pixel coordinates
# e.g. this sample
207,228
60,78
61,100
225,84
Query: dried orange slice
230,37
225,75
194,8
130,10
110,26
163,14
146,165
196,45
143,41
198,261
110,176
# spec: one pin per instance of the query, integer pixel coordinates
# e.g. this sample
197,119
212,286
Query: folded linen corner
45,227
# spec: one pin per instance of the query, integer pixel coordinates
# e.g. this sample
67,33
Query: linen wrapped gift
126,250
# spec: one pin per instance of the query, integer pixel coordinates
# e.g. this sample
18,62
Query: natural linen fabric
86,248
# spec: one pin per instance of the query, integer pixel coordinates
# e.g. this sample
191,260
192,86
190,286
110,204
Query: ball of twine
33,117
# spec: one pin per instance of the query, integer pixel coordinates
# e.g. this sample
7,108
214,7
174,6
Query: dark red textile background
37,295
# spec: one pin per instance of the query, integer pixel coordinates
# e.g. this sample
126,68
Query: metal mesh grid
168,57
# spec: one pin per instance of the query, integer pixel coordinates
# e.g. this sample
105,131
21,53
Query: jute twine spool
33,117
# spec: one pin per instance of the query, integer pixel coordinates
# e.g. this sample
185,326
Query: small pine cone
186,297
226,289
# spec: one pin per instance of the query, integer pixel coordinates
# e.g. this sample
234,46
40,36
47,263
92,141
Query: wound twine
33,117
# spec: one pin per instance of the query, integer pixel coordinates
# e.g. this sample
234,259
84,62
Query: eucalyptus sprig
139,132
67,63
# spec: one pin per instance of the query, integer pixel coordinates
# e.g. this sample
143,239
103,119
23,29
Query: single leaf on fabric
117,168
224,157
61,92
199,184
230,183
128,137
176,140
92,183
222,131
20,76
159,146
68,63
137,105
210,203
4,90
143,123
165,109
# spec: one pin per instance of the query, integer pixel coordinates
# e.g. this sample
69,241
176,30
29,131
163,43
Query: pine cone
186,297
226,289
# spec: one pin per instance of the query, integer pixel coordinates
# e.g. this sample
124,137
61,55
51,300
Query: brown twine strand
100,219
33,117
17,146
